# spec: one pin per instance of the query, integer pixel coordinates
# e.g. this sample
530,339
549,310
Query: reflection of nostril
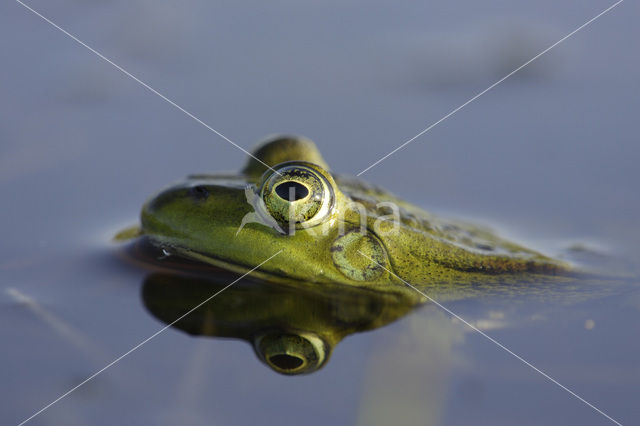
291,191
286,362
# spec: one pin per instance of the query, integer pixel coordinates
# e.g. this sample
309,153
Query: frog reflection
292,330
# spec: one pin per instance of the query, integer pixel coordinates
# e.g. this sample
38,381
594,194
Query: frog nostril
292,191
199,192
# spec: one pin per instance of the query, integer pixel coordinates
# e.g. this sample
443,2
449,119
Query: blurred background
550,156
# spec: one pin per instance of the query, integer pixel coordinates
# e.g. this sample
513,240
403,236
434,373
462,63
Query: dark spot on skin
199,192
385,210
292,191
336,248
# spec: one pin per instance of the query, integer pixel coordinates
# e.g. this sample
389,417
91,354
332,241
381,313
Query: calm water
550,157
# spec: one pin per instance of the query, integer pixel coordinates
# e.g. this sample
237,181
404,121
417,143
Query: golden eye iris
299,194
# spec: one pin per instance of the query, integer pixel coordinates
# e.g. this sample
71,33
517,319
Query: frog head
285,201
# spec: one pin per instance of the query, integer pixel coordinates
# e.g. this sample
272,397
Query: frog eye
298,194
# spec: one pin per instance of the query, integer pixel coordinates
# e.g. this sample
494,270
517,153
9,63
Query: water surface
550,157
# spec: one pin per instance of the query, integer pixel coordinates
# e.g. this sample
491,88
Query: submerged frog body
327,228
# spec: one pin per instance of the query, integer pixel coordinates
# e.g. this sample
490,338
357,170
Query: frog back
427,248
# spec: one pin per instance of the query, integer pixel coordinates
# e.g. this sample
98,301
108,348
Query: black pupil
292,191
286,362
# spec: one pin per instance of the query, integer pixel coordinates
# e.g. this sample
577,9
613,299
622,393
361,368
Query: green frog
325,228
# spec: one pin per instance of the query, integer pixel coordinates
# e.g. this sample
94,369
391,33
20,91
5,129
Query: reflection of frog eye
298,194
291,353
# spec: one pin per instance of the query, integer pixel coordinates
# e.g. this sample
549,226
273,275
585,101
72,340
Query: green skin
201,219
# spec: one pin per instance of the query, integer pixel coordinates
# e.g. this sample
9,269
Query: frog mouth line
279,278
224,264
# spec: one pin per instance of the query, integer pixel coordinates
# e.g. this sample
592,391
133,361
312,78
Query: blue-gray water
550,156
